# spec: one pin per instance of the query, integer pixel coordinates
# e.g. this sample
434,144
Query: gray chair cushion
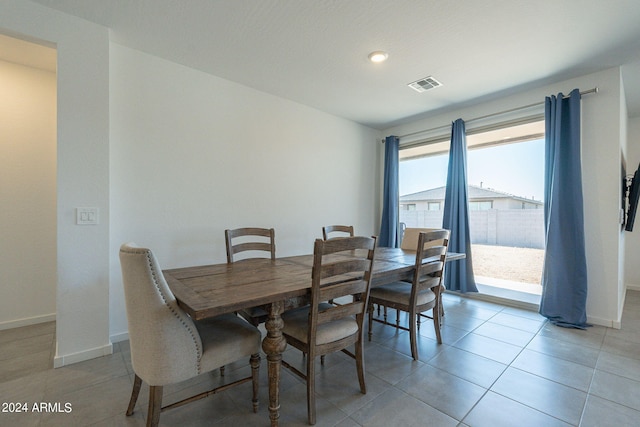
226,339
255,311
296,324
400,292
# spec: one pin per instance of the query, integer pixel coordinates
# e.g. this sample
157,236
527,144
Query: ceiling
315,51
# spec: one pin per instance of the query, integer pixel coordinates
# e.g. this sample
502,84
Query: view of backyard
506,245
508,263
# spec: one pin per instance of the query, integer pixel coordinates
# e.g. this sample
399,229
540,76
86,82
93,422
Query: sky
516,168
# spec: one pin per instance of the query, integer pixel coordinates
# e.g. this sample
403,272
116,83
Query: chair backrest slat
252,246
340,311
342,229
433,267
337,290
342,267
355,243
428,283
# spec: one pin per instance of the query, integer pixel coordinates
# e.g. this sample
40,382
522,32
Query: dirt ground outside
508,263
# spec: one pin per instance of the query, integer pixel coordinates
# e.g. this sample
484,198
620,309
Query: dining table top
210,290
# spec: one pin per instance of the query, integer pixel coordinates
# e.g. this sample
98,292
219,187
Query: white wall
28,194
82,301
622,284
601,142
632,239
193,154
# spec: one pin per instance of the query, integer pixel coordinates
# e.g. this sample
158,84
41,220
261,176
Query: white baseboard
18,323
632,287
603,322
81,356
123,336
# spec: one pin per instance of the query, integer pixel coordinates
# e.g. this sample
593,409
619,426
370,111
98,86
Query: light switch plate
87,216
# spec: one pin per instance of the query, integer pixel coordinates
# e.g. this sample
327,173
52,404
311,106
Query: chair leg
311,390
371,319
437,312
412,334
436,324
137,383
155,405
255,371
360,365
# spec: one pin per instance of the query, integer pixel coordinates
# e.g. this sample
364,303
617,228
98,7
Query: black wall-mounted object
634,194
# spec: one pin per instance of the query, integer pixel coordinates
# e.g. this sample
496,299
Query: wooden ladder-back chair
423,293
342,231
251,239
167,346
340,267
410,242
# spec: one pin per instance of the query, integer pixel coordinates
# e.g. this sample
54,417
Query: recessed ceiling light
378,56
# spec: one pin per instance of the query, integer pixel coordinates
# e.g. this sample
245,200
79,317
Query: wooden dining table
276,285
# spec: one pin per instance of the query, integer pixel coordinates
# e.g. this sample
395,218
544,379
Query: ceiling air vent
425,84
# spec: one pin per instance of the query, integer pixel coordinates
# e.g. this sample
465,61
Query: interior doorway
28,179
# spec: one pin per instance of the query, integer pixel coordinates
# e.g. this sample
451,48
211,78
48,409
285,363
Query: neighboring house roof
475,193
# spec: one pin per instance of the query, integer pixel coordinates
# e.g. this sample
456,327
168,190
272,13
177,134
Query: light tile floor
498,366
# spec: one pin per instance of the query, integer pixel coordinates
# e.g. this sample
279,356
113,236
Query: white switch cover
87,216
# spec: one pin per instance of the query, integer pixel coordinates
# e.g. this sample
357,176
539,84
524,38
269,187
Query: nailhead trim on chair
175,313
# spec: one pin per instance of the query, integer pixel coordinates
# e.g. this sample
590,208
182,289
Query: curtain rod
593,90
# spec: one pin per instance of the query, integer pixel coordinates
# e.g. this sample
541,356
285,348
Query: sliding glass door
505,172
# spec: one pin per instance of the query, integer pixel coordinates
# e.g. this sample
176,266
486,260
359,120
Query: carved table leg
274,345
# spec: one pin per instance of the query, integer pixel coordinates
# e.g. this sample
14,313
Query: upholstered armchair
167,346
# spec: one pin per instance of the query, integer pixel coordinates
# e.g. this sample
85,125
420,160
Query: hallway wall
28,194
